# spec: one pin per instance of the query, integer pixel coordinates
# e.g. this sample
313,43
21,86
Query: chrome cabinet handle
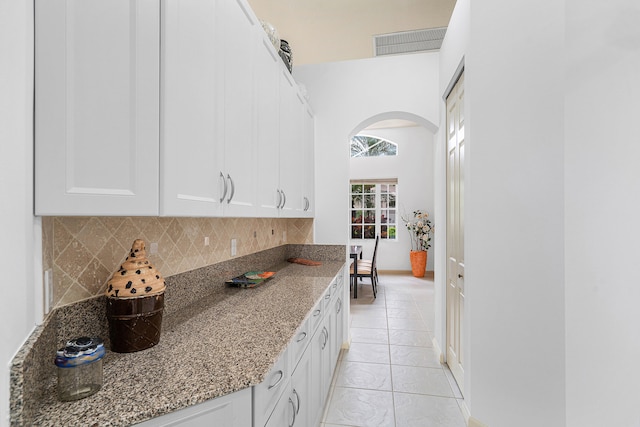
278,381
224,192
284,199
325,333
298,400
339,306
233,189
302,336
294,412
316,313
279,198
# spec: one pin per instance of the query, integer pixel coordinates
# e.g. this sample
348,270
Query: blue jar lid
80,351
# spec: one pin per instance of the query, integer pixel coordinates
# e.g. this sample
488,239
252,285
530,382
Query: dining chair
367,268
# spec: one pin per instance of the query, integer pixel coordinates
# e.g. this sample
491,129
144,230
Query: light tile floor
391,376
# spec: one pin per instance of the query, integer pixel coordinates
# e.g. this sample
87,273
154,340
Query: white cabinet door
192,164
337,326
321,369
308,191
96,107
239,42
268,129
232,410
301,381
284,412
291,147
267,394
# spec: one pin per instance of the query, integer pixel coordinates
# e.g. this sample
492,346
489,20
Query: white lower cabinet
228,411
301,391
267,394
313,354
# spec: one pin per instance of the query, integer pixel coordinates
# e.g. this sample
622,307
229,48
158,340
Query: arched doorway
395,186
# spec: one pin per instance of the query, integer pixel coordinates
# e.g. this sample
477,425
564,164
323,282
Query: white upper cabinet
192,178
268,129
96,108
308,190
291,147
166,107
239,39
208,134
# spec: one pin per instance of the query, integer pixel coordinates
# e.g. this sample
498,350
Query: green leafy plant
420,229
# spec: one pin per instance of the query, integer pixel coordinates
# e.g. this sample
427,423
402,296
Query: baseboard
472,422
438,351
428,274
395,272
465,412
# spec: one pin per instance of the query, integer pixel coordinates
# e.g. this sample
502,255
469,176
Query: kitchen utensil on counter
79,366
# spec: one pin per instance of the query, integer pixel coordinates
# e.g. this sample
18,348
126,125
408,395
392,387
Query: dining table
355,253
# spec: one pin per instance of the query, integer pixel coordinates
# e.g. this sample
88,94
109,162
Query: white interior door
455,231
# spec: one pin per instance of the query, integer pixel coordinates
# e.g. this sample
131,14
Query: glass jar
79,368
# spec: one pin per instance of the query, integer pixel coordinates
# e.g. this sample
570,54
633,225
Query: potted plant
420,230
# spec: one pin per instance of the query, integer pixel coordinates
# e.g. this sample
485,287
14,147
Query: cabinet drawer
298,344
266,394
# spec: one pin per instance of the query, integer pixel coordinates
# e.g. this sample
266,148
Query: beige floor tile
411,338
408,324
413,356
370,336
371,376
361,408
411,379
369,353
414,410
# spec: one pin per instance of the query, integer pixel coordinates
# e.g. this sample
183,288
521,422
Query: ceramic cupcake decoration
135,302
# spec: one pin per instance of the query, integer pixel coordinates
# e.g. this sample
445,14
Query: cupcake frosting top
136,277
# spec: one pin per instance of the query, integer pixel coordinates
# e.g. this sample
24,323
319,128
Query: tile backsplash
83,252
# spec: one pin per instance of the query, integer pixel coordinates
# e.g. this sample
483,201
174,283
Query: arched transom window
372,146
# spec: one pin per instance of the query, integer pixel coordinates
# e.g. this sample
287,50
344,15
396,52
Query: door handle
460,276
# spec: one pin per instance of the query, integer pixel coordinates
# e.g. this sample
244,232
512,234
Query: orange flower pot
418,262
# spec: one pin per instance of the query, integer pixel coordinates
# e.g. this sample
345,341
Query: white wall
514,274
413,167
17,312
602,211
345,94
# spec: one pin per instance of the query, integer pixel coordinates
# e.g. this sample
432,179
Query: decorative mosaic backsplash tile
83,252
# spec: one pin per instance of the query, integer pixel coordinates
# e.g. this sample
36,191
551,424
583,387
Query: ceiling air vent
408,41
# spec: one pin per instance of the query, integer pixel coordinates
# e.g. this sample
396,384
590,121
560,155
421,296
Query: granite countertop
220,344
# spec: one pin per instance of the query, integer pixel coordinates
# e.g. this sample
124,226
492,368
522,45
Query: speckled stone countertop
217,344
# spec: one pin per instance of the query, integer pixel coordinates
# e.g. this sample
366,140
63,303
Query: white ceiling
336,30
